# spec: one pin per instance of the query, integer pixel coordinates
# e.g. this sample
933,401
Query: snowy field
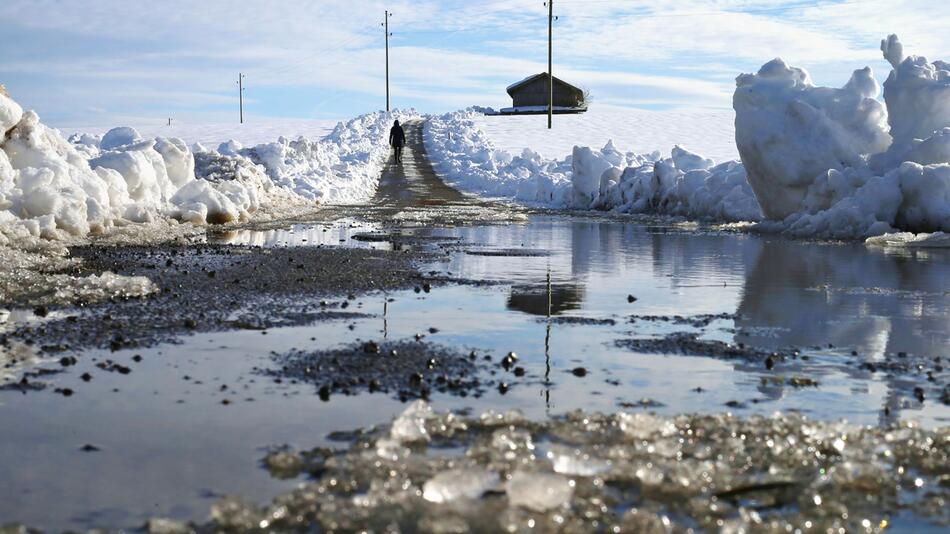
708,132
254,131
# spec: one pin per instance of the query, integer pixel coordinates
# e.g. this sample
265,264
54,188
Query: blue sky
105,62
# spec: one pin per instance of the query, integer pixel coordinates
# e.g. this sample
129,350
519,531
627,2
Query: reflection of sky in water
160,456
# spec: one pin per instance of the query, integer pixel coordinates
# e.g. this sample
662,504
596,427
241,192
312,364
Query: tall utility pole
385,25
550,72
241,95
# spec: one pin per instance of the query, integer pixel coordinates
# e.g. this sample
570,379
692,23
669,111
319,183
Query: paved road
412,193
413,182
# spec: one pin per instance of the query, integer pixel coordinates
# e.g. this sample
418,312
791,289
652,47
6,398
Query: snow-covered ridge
815,161
55,188
684,184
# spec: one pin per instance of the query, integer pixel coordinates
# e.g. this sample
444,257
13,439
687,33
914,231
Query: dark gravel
219,287
406,369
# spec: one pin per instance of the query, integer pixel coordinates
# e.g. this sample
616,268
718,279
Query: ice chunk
644,425
410,426
119,137
910,240
460,483
788,131
569,461
166,526
539,491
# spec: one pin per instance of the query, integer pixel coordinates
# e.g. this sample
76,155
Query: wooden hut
530,96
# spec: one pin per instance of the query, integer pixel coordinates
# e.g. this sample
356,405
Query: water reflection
847,296
786,294
540,299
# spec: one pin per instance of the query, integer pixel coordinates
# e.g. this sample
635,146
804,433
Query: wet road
414,181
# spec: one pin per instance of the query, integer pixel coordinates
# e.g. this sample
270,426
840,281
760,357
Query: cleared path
413,182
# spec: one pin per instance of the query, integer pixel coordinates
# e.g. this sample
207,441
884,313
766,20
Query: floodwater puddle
560,314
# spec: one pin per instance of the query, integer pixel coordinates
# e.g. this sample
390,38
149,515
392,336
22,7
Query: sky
108,62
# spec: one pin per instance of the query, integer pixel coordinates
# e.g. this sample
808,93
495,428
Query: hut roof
529,79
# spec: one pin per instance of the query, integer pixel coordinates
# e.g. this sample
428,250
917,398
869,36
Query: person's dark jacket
397,136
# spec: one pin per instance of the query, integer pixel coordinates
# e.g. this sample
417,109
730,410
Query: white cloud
185,55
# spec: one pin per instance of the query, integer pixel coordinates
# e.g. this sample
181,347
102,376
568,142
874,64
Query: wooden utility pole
241,95
386,27
550,72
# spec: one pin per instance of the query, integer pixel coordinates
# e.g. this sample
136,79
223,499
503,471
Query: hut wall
535,93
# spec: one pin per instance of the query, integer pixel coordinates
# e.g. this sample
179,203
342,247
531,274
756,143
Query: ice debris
644,473
635,473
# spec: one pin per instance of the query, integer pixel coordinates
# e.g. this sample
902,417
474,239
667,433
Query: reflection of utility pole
547,352
240,83
385,321
385,25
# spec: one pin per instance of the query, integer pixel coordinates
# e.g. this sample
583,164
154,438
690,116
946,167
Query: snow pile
52,188
342,167
684,184
788,131
55,188
469,161
823,162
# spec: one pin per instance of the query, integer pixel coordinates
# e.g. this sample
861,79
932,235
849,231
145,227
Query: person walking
397,138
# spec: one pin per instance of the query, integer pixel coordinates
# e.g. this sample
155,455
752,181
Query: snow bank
608,179
468,160
56,189
342,167
788,131
823,162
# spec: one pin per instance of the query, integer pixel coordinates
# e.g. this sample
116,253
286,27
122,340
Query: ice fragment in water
539,491
411,424
644,425
575,462
166,526
909,239
462,483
